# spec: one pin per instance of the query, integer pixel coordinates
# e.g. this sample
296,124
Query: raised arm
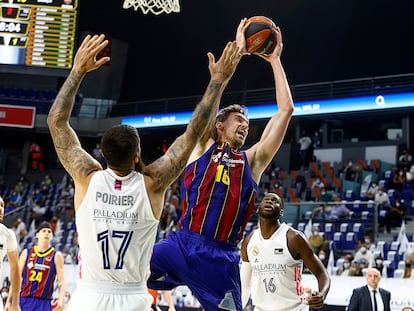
261,154
162,172
206,139
77,162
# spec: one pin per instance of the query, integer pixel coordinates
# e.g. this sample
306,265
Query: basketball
260,35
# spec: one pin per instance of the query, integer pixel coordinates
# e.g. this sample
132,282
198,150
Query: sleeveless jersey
218,194
116,229
39,274
276,276
8,242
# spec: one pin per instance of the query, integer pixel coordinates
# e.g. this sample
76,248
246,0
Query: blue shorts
35,304
208,267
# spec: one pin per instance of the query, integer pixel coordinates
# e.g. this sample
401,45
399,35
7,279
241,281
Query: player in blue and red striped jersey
218,192
39,267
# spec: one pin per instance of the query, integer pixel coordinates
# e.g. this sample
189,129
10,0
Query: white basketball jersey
276,276
8,242
116,229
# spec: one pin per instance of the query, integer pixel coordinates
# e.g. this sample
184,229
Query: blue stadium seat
395,246
344,227
301,226
350,241
370,206
338,240
349,195
329,231
392,256
358,229
383,247
356,206
365,217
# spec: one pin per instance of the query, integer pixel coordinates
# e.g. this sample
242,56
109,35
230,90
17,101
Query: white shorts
95,296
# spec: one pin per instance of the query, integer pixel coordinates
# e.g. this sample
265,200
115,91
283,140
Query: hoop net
154,6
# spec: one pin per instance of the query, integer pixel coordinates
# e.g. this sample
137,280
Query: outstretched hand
240,35
85,58
223,69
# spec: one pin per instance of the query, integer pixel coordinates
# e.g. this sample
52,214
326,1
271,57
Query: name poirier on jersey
113,208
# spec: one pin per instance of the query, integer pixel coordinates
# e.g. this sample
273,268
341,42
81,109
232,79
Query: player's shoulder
294,233
5,230
248,237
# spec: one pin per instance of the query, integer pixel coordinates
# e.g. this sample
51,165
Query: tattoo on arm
67,145
166,169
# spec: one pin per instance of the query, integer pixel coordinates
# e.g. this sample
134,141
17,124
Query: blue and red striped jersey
218,193
39,274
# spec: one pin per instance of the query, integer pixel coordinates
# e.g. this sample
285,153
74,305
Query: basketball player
218,192
8,246
39,267
118,209
272,263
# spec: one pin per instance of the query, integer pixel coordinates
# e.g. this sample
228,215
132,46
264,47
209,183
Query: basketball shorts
35,304
208,267
96,296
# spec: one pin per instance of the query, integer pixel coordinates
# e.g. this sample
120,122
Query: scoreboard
38,33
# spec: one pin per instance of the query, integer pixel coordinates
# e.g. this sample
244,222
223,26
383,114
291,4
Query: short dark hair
43,225
224,113
119,145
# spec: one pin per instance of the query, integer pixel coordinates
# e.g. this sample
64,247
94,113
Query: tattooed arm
162,172
77,162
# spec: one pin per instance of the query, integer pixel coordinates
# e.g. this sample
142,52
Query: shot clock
38,33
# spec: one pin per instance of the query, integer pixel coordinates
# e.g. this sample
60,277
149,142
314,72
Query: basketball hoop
154,6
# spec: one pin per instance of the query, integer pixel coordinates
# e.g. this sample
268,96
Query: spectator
382,199
379,265
19,229
316,240
326,196
405,160
4,292
305,151
351,171
47,181
323,256
366,242
396,214
355,269
364,257
346,267
372,191
97,154
338,210
317,138
19,187
398,179
318,183
13,201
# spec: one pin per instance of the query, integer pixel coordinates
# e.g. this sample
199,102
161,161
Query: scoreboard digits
38,33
